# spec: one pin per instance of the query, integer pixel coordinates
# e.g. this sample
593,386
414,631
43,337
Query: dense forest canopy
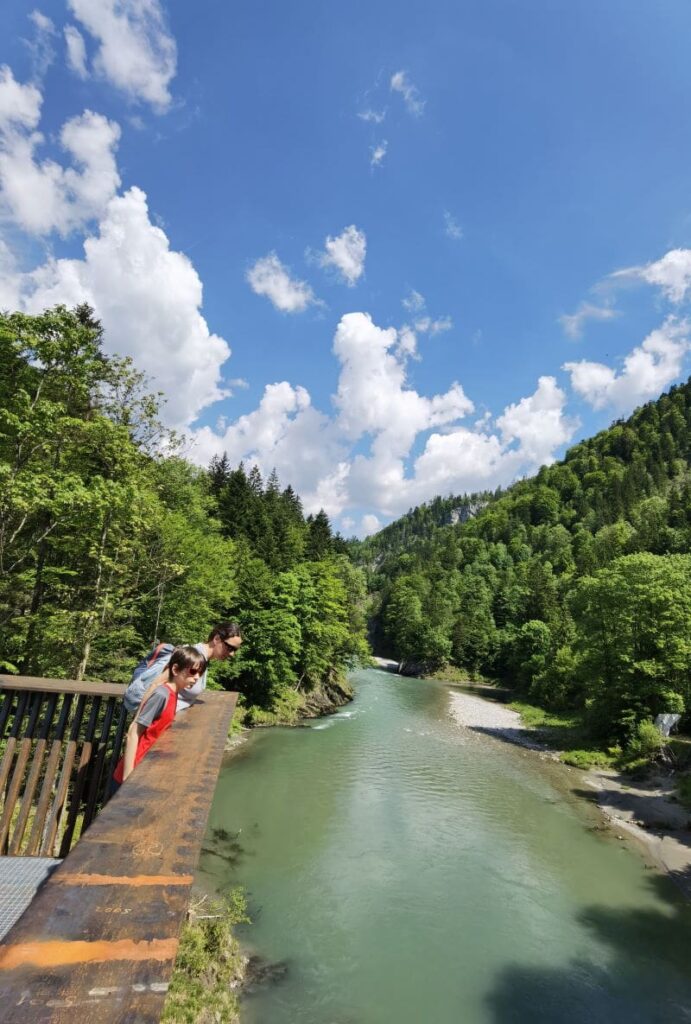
573,586
109,538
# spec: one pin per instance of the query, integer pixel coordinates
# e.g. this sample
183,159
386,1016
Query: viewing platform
112,878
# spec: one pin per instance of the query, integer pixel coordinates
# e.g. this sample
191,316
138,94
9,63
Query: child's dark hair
184,657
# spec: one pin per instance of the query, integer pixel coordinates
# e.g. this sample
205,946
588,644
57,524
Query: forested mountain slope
574,586
110,539
418,524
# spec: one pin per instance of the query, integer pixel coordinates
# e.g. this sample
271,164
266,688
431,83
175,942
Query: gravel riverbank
645,811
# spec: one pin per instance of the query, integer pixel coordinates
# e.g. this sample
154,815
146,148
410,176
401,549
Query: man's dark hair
225,630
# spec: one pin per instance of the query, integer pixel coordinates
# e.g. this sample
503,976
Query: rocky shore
646,812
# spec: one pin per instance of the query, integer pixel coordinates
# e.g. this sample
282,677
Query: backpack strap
155,654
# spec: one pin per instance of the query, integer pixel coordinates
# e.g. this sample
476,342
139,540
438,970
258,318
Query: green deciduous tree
633,639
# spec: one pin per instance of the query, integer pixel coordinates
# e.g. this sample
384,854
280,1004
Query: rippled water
412,872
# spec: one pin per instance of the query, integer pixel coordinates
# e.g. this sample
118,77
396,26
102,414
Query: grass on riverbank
453,674
566,732
209,966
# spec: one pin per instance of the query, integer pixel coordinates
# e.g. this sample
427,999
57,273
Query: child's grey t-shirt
154,706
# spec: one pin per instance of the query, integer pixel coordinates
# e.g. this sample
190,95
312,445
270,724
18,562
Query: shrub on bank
208,965
586,759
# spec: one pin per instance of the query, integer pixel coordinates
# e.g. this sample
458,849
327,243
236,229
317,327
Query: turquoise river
410,871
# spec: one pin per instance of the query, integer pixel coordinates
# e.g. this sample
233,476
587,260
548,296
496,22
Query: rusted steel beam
61,686
99,941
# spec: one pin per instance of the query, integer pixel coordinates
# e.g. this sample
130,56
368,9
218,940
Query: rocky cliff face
332,695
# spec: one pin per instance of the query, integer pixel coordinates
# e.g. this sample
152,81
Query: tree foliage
110,539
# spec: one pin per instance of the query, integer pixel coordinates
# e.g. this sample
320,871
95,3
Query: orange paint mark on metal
133,880
60,954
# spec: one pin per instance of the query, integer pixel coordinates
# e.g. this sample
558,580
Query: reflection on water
411,872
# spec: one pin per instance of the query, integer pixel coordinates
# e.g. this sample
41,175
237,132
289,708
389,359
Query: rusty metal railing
99,940
60,741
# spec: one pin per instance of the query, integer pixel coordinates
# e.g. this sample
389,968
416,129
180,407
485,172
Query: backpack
145,671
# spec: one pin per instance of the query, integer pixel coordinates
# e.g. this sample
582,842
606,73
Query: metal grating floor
20,878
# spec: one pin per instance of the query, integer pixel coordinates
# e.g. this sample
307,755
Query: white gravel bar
490,717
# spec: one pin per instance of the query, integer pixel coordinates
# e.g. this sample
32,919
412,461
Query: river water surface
410,871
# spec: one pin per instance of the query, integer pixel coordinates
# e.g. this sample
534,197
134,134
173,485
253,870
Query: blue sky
392,249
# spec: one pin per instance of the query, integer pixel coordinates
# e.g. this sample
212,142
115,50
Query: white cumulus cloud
41,196
358,456
136,52
538,423
20,105
648,369
10,279
148,298
346,254
373,396
269,277
671,273
287,433
458,461
369,524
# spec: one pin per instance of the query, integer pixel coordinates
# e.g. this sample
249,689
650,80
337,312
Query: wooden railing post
72,782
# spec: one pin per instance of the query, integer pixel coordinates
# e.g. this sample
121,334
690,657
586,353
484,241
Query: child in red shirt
157,708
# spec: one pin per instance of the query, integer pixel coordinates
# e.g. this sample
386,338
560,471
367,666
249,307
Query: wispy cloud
413,302
426,325
400,83
573,322
76,51
452,229
41,46
372,116
378,153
